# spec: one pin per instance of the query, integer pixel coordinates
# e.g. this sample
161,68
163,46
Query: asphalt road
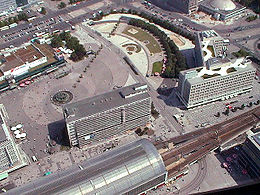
254,53
240,28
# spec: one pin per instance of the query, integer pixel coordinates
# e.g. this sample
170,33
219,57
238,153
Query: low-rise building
17,63
219,79
10,156
107,115
222,9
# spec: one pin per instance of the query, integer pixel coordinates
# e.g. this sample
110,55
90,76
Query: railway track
188,149
192,135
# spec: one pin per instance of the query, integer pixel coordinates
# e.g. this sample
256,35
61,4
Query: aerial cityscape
129,97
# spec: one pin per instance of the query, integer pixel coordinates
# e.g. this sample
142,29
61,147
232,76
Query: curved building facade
222,9
131,169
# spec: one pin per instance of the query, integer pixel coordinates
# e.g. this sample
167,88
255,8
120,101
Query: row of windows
235,78
220,88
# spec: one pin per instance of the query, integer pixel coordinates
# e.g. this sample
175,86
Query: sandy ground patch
77,13
96,6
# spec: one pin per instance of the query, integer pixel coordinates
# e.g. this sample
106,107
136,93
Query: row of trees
15,19
175,60
163,23
72,43
153,19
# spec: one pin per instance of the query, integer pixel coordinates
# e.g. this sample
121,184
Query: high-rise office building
249,156
219,79
106,115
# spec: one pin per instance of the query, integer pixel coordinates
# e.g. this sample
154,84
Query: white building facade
199,86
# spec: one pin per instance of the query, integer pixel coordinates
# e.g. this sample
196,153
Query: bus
4,28
56,31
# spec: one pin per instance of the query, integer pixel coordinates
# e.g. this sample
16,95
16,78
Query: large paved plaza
32,105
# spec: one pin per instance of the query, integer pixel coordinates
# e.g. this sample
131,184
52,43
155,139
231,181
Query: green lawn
157,67
143,36
210,48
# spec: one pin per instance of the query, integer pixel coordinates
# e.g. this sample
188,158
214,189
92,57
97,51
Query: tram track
198,179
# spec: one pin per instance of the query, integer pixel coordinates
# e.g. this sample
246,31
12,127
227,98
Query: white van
34,159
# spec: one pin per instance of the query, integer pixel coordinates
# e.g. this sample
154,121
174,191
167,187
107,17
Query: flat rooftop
223,67
106,101
48,51
20,57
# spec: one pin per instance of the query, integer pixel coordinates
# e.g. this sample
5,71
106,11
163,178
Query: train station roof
118,171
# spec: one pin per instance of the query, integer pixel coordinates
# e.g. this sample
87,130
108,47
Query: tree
22,16
43,11
10,20
74,56
72,43
2,23
138,131
56,41
15,19
65,36
62,5
176,61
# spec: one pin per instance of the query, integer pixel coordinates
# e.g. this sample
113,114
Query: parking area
42,26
